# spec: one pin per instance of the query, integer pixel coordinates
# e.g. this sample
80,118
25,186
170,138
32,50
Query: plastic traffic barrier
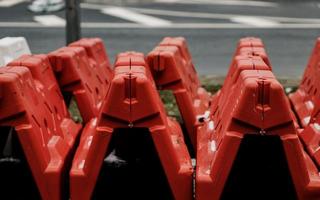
182,45
32,104
41,70
310,137
252,46
11,48
254,148
250,42
132,108
306,100
249,55
97,53
306,104
172,69
247,141
87,78
240,63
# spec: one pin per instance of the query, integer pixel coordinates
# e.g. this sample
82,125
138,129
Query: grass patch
74,111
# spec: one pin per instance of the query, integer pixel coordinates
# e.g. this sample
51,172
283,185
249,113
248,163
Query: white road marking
105,25
204,14
255,21
9,3
167,1
241,3
20,25
91,6
223,2
135,16
220,16
50,20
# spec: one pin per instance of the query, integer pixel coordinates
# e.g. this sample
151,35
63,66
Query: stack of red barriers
250,140
306,104
172,68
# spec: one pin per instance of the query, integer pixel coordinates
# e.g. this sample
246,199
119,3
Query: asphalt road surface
212,28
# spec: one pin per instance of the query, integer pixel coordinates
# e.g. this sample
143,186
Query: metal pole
73,30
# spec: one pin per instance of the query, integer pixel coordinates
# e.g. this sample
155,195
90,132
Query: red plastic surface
132,101
306,100
87,79
239,64
97,53
249,55
179,42
172,69
251,102
306,103
310,136
35,108
41,70
189,70
256,104
250,42
251,46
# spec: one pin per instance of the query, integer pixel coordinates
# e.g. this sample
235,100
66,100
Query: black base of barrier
260,171
16,180
132,169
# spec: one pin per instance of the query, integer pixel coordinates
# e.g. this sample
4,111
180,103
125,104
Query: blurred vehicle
39,6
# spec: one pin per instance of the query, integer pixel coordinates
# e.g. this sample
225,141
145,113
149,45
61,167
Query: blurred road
212,28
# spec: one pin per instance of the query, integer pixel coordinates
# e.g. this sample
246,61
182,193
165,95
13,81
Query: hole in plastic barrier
260,171
16,180
132,169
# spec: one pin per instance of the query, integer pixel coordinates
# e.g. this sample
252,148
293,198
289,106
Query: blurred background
212,28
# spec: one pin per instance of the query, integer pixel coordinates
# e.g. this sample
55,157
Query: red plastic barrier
250,42
34,107
306,100
310,136
256,105
84,77
172,69
182,45
132,58
132,101
249,54
255,51
251,46
189,68
41,70
306,103
97,53
239,64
